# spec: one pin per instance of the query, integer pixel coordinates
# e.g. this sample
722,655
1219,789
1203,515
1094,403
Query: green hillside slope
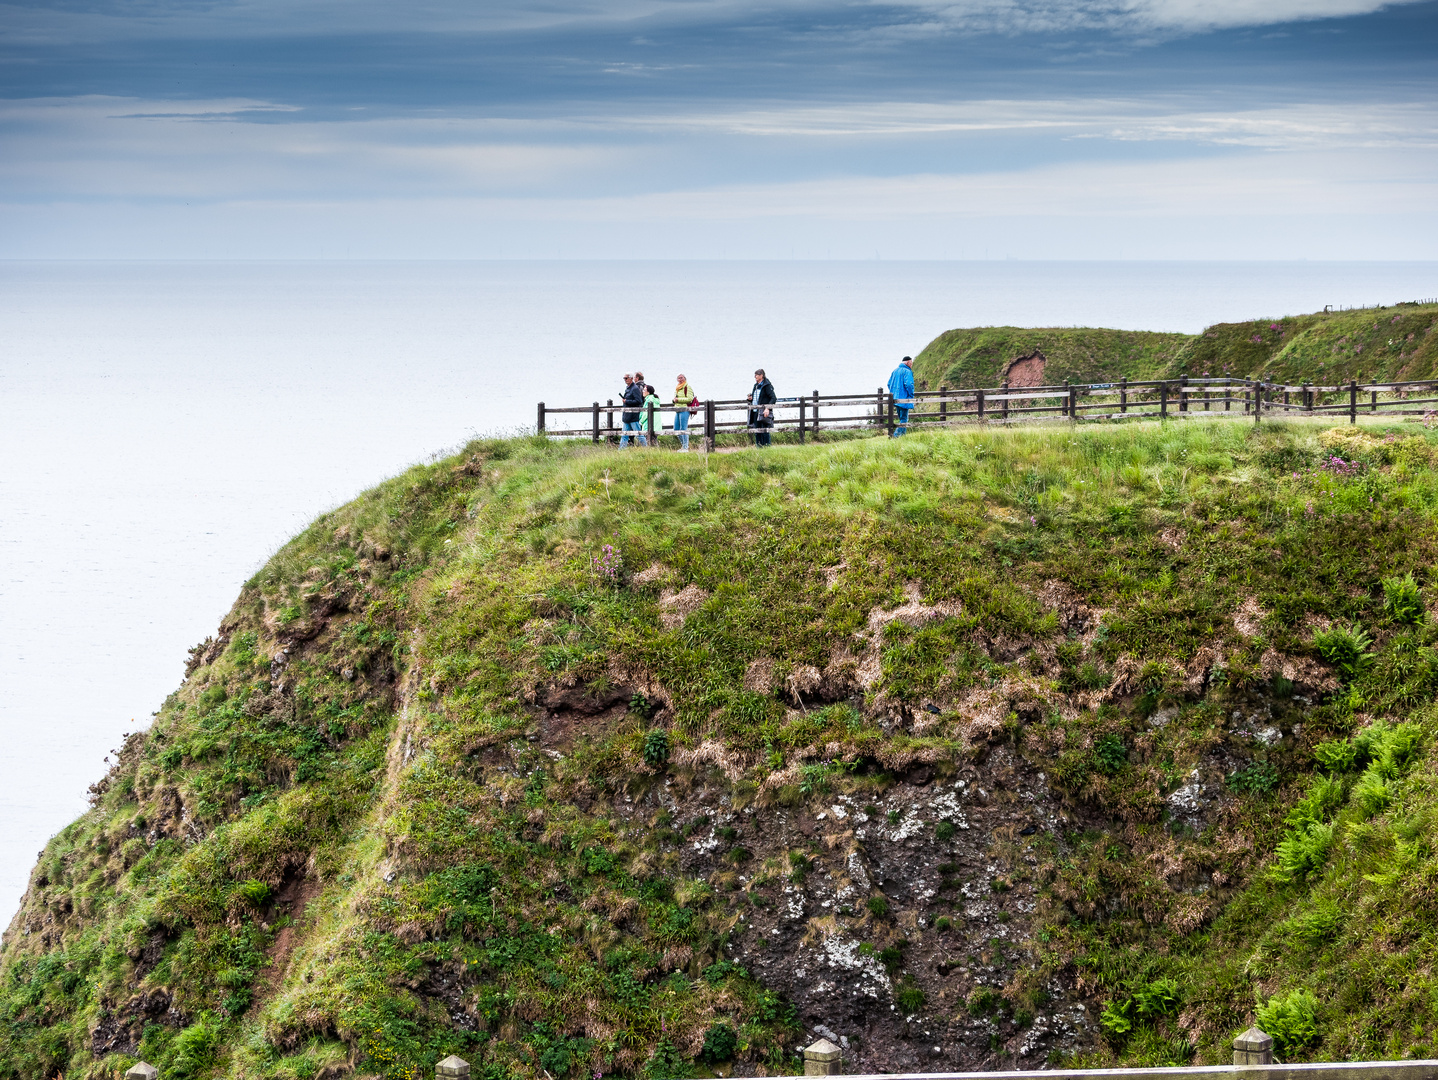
981,356
977,749
1373,344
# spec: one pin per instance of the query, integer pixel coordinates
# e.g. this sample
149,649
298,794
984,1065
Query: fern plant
1346,648
1302,852
1292,1020
1403,599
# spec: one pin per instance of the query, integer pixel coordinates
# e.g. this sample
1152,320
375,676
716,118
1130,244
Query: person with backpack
650,408
684,399
633,399
901,388
761,412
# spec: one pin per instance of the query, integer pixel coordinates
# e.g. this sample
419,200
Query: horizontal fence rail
1345,1070
881,412
1252,1057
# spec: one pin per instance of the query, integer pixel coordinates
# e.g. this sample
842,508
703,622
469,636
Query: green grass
311,850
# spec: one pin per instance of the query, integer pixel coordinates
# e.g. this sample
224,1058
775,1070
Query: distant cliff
1375,344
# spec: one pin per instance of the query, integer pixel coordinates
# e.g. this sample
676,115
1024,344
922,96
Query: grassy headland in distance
1374,344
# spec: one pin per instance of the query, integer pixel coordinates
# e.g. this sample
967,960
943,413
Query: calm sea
164,427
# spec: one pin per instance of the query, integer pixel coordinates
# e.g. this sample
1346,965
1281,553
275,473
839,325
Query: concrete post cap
1253,1039
823,1050
142,1070
452,1066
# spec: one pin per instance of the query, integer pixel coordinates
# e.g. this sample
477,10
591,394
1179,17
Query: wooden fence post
1068,396
653,435
801,418
1307,399
709,426
980,397
1163,400
1253,1047
596,421
541,418
1353,401
1006,399
1373,401
890,415
1073,405
609,420
823,1058
1123,394
943,404
1183,393
1257,402
816,415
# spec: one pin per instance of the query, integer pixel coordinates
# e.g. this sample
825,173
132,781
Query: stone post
142,1070
452,1068
822,1059
1253,1047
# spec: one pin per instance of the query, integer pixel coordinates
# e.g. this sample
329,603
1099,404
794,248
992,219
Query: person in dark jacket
633,401
761,412
901,386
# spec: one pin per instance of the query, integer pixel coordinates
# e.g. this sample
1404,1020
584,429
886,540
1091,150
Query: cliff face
1373,344
969,749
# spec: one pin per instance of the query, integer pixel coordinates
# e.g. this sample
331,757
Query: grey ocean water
164,427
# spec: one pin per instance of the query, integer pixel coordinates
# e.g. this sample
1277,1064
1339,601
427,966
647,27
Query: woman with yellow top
684,397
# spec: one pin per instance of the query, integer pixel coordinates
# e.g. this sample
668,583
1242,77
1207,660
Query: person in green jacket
651,398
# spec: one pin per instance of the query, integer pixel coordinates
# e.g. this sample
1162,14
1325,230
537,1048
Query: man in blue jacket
901,385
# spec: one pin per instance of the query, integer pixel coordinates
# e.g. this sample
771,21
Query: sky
816,129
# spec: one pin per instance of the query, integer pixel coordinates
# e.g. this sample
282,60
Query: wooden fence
1183,398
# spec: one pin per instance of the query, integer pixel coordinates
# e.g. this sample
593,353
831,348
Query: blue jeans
903,419
681,427
632,425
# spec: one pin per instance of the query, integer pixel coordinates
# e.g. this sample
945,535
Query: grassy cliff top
1375,344
1057,745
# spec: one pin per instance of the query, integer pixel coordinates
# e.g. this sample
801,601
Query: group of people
641,403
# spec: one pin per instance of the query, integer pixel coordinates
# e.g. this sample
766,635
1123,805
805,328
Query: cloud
1153,119
1215,14
1133,16
97,147
1254,185
1253,206
243,149
49,21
